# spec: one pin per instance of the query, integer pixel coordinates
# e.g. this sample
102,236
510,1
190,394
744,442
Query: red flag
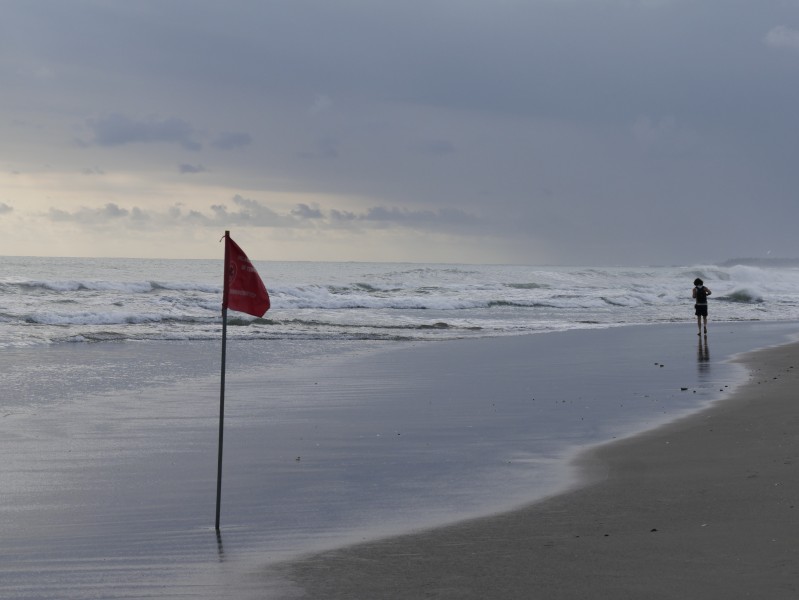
244,291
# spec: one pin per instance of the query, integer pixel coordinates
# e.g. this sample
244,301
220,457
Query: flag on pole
244,291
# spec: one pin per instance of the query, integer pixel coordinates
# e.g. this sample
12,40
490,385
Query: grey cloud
342,216
5,208
321,104
258,214
110,212
303,211
56,214
117,130
325,148
252,213
444,219
245,212
93,171
576,59
436,147
422,219
783,37
138,215
643,120
664,136
192,216
191,169
231,140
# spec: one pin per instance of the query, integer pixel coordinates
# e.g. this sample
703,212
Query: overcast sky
587,132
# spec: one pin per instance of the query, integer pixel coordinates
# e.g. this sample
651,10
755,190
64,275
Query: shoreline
704,506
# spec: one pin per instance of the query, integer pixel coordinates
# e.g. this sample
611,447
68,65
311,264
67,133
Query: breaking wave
743,296
173,300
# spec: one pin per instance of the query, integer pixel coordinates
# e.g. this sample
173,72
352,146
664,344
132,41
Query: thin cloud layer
246,212
104,215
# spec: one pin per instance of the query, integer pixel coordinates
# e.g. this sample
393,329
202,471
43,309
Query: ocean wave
322,324
110,318
321,297
742,296
527,286
175,300
129,287
419,333
98,336
187,287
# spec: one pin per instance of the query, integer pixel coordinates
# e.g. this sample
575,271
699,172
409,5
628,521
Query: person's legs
701,316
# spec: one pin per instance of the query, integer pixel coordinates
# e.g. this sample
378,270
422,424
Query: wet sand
110,462
705,507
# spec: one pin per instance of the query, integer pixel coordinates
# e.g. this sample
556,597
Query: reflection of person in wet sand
700,294
703,355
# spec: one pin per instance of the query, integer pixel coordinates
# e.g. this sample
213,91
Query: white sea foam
50,300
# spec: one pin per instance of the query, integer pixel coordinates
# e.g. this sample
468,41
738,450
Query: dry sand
706,507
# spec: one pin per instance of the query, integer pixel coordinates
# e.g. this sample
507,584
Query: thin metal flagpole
221,419
222,388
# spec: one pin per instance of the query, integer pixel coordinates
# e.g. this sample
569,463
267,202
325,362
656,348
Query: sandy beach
705,507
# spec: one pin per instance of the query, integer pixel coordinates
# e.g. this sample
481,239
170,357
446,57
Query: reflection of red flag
244,291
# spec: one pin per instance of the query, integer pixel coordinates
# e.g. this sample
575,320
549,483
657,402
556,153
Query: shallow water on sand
110,449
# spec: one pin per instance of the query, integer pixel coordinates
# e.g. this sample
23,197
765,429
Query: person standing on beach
700,294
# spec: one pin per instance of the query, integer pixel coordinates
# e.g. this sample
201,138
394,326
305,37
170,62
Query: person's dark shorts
701,310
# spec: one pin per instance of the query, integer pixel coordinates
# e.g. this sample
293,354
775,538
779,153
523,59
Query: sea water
344,420
55,302
72,300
